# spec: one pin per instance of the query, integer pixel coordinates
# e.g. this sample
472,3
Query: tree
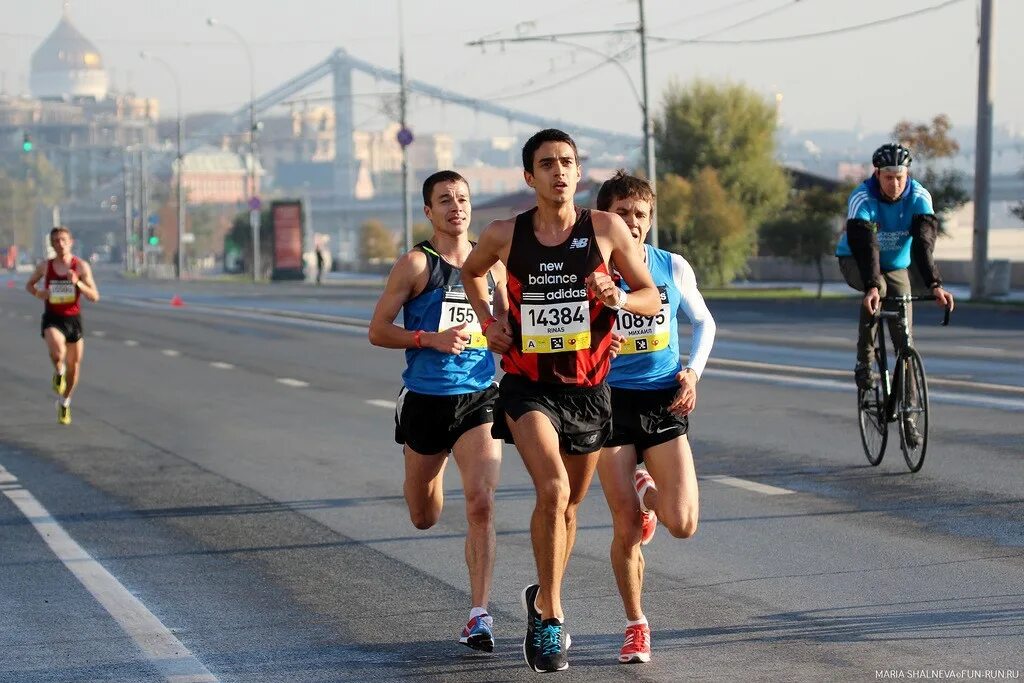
805,230
699,220
376,242
731,129
928,143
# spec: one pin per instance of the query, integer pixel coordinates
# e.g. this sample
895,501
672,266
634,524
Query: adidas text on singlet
62,294
561,333
441,305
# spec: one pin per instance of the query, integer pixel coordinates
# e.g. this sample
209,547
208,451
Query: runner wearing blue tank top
447,402
652,397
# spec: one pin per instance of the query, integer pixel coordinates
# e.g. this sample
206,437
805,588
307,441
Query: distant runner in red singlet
65,279
555,342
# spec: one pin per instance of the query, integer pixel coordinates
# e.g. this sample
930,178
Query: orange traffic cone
176,301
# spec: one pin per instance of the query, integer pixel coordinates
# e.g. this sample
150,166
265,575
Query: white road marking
748,485
165,652
99,333
6,477
288,381
171,352
381,403
222,366
130,342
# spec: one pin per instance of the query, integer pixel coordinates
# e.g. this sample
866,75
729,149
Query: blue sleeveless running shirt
892,218
649,358
443,304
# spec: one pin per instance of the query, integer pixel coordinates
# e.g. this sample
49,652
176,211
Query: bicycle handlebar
907,298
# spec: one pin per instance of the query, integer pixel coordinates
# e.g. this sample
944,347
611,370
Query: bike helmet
891,155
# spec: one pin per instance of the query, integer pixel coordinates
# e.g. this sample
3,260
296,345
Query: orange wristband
487,323
417,338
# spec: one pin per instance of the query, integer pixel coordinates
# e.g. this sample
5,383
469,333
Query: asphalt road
231,474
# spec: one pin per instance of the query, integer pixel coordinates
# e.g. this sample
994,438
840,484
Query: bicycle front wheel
913,409
874,428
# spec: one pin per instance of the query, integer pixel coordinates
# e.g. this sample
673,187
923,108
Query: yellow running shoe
63,414
60,384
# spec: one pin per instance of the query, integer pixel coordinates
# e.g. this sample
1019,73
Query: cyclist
447,402
890,225
65,279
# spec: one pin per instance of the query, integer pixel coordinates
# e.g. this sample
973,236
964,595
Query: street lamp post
254,209
180,260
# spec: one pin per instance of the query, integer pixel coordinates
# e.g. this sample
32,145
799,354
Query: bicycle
901,398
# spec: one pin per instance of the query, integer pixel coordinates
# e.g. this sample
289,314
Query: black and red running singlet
561,334
63,294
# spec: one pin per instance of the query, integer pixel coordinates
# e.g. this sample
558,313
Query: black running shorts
431,424
69,325
641,418
581,415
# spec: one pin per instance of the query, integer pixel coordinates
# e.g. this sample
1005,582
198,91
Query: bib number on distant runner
645,333
455,310
555,327
62,292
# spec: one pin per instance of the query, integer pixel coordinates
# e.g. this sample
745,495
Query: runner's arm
692,305
33,279
85,283
406,280
643,298
483,258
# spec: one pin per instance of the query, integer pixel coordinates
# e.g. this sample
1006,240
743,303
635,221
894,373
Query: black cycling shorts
582,416
641,418
430,424
69,325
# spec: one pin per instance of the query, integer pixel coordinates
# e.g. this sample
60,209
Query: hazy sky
914,68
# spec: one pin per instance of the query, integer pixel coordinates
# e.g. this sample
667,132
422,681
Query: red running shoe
637,646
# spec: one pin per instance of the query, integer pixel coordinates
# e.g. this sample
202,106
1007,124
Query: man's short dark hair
440,177
624,186
58,230
539,138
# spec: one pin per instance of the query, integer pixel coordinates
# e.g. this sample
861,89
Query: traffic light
26,143
154,240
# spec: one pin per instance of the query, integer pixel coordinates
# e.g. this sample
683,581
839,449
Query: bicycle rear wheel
913,409
874,428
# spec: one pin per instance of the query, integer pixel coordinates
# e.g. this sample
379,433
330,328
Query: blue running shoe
478,633
553,653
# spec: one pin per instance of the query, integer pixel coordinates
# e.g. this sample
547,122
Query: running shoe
63,414
637,646
643,481
478,635
59,383
553,650
531,643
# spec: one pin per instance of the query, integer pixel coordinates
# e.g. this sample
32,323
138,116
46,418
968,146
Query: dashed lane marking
381,403
289,382
221,365
99,333
163,650
130,342
173,353
747,484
